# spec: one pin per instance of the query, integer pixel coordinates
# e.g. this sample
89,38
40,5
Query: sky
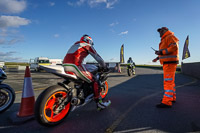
48,28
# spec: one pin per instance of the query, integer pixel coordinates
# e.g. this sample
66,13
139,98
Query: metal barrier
191,69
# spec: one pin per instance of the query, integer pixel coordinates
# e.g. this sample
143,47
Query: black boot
172,101
161,105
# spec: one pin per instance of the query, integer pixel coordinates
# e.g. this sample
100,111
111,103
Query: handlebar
101,69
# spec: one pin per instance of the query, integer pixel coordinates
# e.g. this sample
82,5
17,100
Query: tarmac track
132,109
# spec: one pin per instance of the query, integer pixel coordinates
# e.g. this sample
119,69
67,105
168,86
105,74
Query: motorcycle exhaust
75,101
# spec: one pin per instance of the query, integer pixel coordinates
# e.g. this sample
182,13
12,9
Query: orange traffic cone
28,98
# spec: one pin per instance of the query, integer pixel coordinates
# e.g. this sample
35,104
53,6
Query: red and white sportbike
56,102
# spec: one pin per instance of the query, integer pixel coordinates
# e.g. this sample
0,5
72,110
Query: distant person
74,59
169,58
130,61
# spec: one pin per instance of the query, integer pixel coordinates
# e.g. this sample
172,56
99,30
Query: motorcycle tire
104,90
7,97
133,71
46,106
129,71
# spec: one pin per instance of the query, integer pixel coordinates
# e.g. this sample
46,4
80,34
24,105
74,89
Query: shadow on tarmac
132,110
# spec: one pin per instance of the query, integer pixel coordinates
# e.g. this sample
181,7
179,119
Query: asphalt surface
132,109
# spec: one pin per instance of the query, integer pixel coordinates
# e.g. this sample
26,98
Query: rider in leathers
130,61
73,65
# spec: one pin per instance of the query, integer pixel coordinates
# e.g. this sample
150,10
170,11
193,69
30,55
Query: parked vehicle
35,63
130,69
57,101
56,61
7,94
2,64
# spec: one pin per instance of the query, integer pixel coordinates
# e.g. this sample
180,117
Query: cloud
12,6
3,33
9,56
8,24
2,41
77,3
124,33
111,3
134,19
70,3
12,41
113,24
94,3
10,37
56,35
80,2
13,21
51,3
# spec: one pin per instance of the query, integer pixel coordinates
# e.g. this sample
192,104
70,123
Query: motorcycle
130,69
57,101
7,94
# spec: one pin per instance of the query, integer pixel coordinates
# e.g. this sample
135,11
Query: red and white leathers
169,59
73,63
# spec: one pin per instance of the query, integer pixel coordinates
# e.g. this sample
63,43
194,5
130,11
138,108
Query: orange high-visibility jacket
169,47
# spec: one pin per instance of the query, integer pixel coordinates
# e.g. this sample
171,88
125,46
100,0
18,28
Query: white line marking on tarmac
6,127
134,130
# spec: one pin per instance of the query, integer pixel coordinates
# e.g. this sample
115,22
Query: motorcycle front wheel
7,98
129,71
49,108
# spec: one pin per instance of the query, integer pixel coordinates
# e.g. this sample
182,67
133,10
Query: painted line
33,89
135,130
7,127
123,116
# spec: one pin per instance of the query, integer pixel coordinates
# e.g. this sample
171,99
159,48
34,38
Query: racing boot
102,105
161,105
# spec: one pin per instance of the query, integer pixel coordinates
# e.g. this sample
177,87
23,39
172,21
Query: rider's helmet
130,58
86,38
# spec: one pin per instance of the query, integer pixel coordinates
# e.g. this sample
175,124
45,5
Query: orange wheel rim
51,105
104,91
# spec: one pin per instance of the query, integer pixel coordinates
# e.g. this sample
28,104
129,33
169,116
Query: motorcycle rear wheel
46,107
104,90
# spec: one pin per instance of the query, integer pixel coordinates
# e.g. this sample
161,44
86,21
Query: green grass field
16,64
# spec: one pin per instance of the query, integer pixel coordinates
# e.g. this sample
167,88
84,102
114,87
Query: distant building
2,64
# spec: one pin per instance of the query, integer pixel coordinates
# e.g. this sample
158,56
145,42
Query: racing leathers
73,64
130,61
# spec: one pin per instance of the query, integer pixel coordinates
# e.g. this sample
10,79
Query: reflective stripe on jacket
169,47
